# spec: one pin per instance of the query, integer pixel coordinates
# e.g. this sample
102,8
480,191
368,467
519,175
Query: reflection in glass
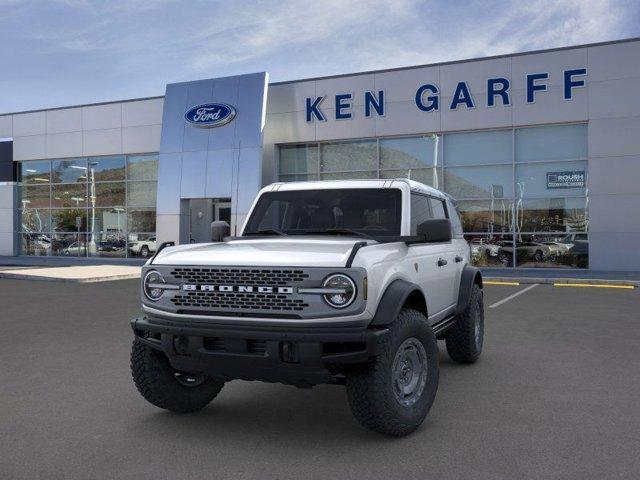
109,194
352,156
65,220
552,250
108,223
532,181
143,220
348,175
35,220
69,195
558,142
141,194
428,176
35,171
478,148
141,244
479,182
106,169
298,160
142,167
35,196
69,171
301,177
68,245
486,215
552,215
104,244
491,250
409,153
37,244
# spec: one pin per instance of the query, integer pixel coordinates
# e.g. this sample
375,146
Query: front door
203,211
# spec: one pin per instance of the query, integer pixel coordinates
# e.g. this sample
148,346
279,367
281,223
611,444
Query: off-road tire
370,386
154,378
460,339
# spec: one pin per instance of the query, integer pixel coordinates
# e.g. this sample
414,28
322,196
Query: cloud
120,49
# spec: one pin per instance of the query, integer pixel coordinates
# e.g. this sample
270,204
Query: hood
292,251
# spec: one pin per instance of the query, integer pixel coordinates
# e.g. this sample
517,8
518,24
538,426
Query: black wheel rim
189,379
409,374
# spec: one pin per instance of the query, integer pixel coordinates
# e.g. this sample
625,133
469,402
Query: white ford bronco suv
341,282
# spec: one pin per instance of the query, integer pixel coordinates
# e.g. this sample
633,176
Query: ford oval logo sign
210,115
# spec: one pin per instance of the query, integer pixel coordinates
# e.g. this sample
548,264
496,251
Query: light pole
91,171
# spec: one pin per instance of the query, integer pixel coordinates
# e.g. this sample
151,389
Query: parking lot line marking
512,296
593,285
496,282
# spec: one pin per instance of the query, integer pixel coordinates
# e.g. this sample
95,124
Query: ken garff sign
210,115
568,179
427,96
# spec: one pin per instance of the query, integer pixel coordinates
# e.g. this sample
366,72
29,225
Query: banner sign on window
570,179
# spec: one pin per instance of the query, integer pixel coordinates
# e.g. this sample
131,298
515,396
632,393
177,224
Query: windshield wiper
266,231
338,231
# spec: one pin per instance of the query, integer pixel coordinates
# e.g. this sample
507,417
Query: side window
456,224
437,207
420,211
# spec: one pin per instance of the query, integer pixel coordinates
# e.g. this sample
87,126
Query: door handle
459,258
442,262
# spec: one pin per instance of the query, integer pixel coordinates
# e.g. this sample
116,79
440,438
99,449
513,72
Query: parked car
75,249
536,251
483,246
143,248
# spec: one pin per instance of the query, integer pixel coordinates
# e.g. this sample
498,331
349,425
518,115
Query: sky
69,52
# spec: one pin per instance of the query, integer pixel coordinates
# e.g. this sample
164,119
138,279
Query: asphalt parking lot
555,395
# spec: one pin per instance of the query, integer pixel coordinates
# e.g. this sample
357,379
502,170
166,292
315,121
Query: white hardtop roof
338,184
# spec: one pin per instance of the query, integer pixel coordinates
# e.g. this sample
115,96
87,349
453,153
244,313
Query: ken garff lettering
210,115
427,96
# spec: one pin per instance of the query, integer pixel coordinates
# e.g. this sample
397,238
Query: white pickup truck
342,282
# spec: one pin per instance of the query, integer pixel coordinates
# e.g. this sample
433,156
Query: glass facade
95,206
522,193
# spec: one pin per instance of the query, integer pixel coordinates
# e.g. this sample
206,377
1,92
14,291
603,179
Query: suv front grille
239,276
242,301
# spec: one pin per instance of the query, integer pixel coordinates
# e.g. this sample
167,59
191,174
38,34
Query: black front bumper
301,356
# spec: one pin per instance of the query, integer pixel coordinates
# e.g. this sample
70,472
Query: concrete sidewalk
561,276
76,273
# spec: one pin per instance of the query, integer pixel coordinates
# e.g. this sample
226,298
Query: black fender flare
470,275
392,301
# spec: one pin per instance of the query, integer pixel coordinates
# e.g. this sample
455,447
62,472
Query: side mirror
435,230
219,230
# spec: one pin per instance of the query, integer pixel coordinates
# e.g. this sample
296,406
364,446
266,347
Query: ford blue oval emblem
210,115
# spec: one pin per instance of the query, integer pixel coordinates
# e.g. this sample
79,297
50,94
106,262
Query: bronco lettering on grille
237,289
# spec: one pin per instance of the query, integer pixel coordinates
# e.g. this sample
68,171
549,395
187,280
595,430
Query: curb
19,276
564,281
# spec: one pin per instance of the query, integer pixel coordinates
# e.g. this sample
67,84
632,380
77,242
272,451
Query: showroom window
521,193
95,206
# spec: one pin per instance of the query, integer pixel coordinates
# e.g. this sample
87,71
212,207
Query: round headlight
343,290
152,285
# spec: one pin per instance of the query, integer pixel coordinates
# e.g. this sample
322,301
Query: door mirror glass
435,230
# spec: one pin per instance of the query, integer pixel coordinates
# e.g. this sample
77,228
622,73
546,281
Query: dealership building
541,151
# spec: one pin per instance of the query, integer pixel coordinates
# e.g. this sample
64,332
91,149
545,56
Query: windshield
357,211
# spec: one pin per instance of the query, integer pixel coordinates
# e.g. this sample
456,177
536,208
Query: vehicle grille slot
217,344
239,301
239,276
